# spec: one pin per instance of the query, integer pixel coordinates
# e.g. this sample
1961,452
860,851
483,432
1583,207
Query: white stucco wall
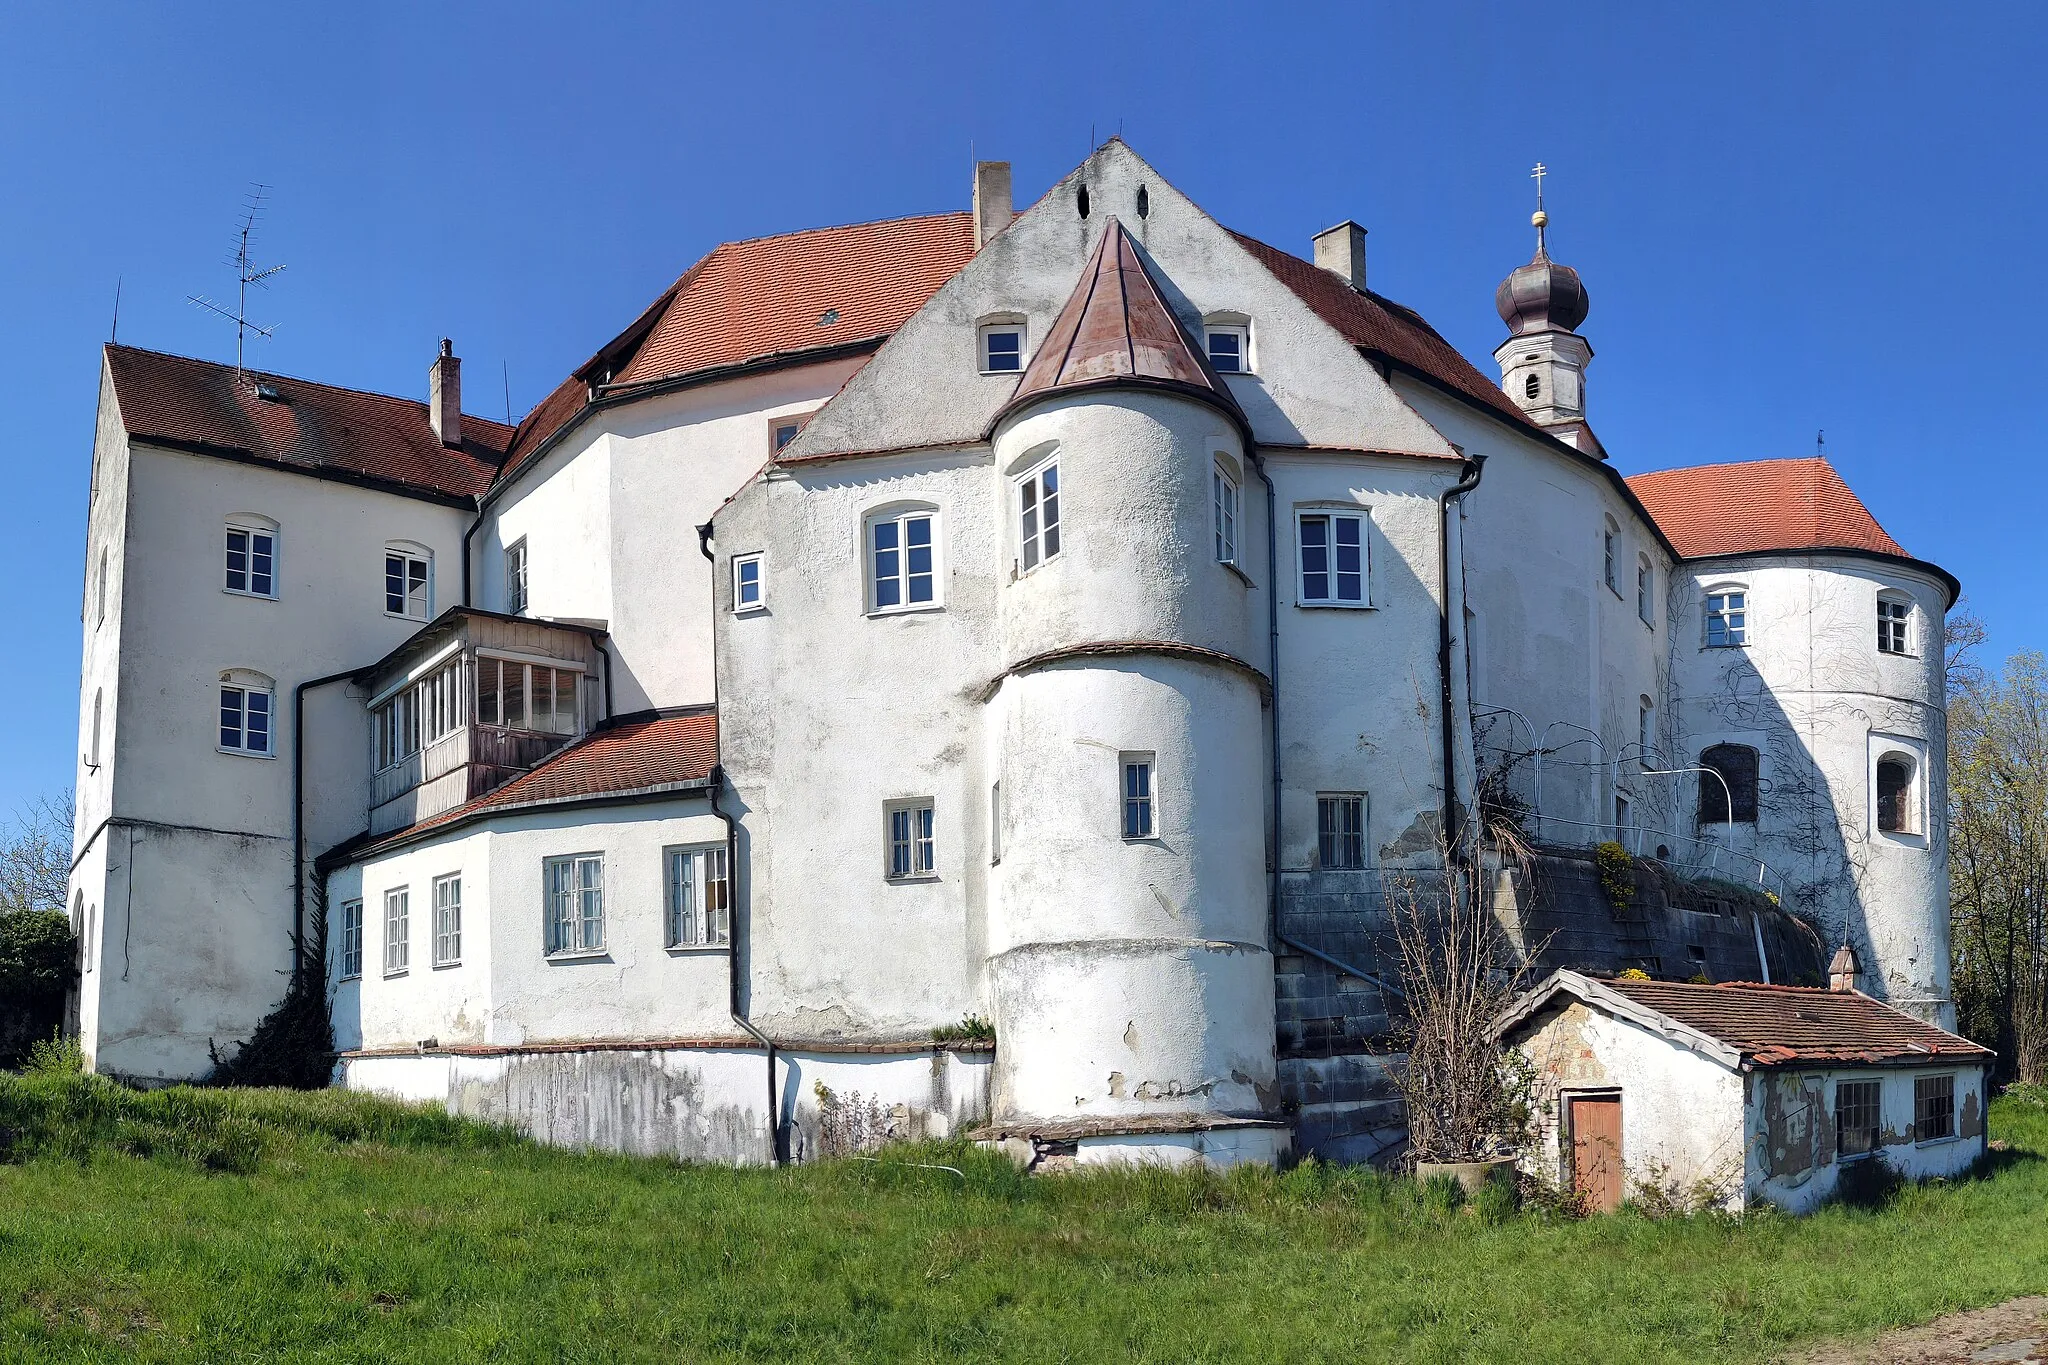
1790,1131
1813,696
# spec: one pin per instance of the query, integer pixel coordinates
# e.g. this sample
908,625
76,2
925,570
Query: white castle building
958,617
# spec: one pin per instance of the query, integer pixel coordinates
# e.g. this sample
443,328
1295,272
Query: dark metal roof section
1542,296
1117,330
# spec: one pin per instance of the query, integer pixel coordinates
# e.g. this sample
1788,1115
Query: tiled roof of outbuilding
1115,328
647,754
767,297
1775,1025
1760,506
199,404
1383,327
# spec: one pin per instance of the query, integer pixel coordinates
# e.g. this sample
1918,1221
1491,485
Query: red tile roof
1798,1025
1114,328
309,426
1760,506
631,756
770,296
1383,327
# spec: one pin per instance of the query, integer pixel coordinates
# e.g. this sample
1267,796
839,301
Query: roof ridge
508,427
837,227
1737,464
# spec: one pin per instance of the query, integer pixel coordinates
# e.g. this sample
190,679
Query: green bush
37,954
1617,874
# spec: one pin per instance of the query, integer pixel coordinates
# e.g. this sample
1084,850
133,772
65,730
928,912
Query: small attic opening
1144,202
1081,201
268,392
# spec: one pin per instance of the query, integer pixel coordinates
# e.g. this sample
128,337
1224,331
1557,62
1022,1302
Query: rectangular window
447,921
913,845
1227,350
351,939
748,584
251,561
1892,618
523,696
1727,618
1332,559
245,720
1038,502
783,430
575,903
1857,1114
1646,579
397,930
515,578
1645,750
1226,517
699,898
1934,1108
1002,349
1137,796
1621,814
903,569
405,585
1611,576
1340,831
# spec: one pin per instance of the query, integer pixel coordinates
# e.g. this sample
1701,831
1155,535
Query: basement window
1934,1108
912,851
1340,831
1857,1117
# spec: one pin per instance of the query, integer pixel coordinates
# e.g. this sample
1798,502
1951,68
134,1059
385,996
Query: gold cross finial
1539,219
1537,176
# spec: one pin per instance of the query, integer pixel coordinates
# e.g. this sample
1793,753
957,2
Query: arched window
1532,386
408,580
92,752
78,928
1230,342
1000,343
1894,623
1897,800
1646,731
247,709
1610,574
1646,590
1727,616
1730,798
100,612
901,548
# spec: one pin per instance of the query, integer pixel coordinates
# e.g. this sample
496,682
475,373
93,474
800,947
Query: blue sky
1789,217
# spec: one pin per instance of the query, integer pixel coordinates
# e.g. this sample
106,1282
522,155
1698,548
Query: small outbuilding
1735,1093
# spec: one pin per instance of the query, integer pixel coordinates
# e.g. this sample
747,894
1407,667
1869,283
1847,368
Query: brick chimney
444,395
1341,251
1842,971
992,211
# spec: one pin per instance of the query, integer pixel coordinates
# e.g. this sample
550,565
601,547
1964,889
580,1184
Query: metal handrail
1634,837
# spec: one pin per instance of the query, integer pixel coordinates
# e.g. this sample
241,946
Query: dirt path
2006,1333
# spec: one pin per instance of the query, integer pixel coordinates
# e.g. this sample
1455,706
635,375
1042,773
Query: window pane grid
1857,1112
405,586
447,921
1332,558
746,582
1002,350
1226,518
1727,619
913,841
397,930
515,579
1137,798
1039,516
1340,832
245,719
351,939
1891,626
1934,1108
575,904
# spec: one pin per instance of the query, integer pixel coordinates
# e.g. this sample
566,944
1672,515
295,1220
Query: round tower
1131,978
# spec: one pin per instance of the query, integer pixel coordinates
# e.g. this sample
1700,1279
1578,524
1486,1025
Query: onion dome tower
1131,981
1543,361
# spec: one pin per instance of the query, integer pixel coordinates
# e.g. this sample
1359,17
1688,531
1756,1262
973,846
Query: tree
35,858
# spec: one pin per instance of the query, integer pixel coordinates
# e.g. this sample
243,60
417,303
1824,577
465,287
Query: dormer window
1002,346
1230,347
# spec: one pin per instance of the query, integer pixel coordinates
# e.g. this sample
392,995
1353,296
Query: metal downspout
476,521
1453,835
732,872
299,814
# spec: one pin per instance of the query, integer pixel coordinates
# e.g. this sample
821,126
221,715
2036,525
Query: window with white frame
749,582
1038,516
574,889
351,939
1230,347
408,574
245,713
447,920
783,430
1332,551
418,715
544,698
1340,831
1646,589
515,578
251,560
912,840
699,897
1002,346
1137,795
1226,501
903,569
397,930
1612,571
1894,618
1727,613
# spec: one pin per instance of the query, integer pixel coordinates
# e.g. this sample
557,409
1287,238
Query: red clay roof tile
1793,1025
309,426
1760,506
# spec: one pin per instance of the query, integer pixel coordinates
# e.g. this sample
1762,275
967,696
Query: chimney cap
447,347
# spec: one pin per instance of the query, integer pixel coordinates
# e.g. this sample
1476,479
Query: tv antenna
246,274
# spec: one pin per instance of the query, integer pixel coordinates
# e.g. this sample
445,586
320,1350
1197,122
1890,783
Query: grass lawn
256,1225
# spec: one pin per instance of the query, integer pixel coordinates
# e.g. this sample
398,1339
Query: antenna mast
246,274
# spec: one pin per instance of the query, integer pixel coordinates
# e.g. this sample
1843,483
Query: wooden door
1596,1150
